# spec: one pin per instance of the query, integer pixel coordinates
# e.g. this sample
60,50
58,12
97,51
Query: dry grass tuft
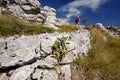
103,60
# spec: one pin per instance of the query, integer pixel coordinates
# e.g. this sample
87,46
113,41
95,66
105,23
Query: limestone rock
27,53
106,29
45,74
64,72
4,77
48,62
31,10
26,7
2,44
26,49
22,73
16,10
79,45
18,52
34,3
100,26
50,19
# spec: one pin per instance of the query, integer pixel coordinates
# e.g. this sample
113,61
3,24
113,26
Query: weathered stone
79,45
26,49
100,26
26,7
19,51
2,44
22,73
2,10
49,9
50,19
48,62
4,77
64,71
27,53
33,11
45,74
34,3
16,10
106,29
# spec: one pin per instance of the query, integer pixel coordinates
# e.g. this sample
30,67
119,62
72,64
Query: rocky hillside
113,31
89,53
33,58
32,11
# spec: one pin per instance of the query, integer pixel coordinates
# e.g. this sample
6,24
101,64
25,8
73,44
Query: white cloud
74,8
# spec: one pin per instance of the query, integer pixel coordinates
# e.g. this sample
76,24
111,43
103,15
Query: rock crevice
30,57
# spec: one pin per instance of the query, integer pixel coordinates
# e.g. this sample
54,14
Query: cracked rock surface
31,57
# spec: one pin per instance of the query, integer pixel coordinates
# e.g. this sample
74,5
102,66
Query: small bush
59,48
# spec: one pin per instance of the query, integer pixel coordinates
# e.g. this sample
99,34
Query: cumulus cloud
76,7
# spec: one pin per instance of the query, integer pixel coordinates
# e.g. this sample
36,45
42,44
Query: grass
10,25
103,60
67,28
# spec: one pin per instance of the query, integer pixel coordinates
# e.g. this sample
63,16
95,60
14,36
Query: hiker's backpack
77,19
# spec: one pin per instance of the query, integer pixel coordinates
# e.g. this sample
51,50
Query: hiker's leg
76,26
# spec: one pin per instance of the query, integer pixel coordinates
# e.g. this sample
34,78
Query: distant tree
84,20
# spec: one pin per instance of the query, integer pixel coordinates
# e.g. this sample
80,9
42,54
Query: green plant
59,48
84,20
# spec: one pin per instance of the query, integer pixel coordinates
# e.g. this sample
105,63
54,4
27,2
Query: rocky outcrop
31,57
32,11
100,27
112,31
45,74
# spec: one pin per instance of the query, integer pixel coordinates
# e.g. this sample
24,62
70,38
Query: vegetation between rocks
59,48
10,25
103,58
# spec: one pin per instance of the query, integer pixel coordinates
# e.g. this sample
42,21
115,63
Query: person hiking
77,20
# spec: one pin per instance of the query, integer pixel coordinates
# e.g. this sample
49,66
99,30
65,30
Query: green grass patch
103,60
10,25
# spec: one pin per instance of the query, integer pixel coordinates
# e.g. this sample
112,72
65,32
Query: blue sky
106,12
